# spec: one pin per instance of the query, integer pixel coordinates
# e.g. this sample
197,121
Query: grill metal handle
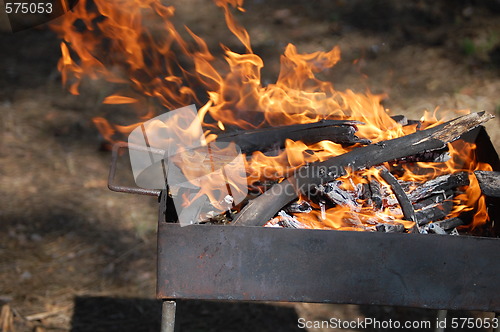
112,172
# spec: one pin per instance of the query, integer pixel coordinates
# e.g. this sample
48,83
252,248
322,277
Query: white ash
360,190
229,199
443,157
434,228
285,220
396,210
340,196
388,197
390,228
323,210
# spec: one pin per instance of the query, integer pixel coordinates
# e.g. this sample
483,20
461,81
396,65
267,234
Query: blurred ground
75,256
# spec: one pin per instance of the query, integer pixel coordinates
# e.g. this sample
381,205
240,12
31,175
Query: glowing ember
134,44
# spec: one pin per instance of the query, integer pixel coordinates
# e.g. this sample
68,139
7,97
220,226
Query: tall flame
135,45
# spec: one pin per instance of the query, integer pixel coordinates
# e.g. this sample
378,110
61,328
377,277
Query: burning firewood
375,154
285,220
339,196
430,192
434,199
439,184
433,212
489,182
337,131
449,224
375,194
435,156
302,207
404,201
308,177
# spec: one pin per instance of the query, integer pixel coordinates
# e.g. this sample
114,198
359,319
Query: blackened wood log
365,191
339,196
264,139
437,156
404,202
432,200
449,224
432,213
425,193
374,154
439,184
308,177
376,194
296,207
262,208
427,197
489,182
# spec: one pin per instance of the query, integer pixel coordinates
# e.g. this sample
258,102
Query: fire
364,216
135,45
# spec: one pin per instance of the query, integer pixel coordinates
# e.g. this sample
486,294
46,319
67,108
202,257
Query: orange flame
135,44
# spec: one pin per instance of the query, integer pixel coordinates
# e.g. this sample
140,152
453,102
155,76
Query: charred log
434,138
365,191
264,139
449,224
438,185
339,196
404,202
432,191
437,156
262,208
432,200
433,213
489,182
259,210
296,207
376,194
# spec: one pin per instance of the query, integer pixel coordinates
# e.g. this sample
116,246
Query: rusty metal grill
213,262
265,264
268,264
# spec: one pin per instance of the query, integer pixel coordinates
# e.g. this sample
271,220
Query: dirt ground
76,257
